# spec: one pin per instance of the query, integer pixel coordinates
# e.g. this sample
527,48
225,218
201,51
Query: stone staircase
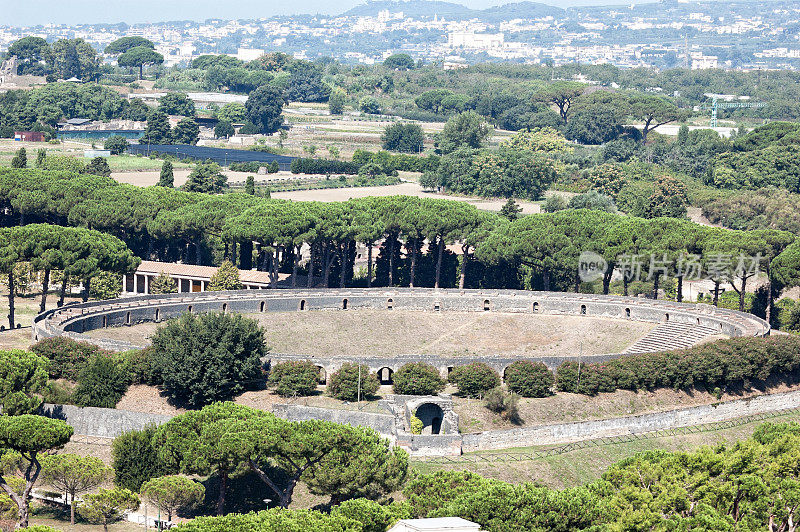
667,336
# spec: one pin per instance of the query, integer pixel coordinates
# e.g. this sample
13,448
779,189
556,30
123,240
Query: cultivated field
378,332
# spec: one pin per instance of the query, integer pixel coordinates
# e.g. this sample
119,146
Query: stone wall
77,318
110,423
586,430
102,422
380,423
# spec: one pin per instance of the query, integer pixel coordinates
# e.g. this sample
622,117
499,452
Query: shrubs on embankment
323,166
730,362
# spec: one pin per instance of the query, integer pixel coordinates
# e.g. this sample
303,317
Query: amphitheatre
385,328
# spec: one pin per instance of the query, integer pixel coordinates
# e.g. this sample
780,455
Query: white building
702,62
436,524
477,41
249,54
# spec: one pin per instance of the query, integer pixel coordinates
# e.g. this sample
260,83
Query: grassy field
127,163
588,464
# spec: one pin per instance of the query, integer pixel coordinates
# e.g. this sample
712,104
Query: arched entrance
385,376
431,416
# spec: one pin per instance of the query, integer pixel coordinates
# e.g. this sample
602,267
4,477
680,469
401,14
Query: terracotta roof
201,272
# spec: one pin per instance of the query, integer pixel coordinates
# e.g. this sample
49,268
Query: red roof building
29,136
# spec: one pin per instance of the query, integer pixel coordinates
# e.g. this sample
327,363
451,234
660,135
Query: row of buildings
531,33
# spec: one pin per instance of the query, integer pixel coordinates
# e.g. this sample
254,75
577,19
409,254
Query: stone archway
385,375
431,416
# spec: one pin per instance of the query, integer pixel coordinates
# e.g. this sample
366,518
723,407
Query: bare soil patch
149,178
152,400
377,332
402,189
568,407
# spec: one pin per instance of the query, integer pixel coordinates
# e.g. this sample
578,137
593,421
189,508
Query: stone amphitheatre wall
75,319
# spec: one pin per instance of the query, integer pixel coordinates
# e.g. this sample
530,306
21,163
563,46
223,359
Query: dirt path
149,178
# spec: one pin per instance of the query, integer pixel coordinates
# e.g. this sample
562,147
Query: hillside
429,8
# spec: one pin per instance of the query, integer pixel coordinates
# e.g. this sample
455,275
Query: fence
538,454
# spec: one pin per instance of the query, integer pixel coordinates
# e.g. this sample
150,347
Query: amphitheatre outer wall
75,319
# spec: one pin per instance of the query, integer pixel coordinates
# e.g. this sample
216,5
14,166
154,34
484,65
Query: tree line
75,252
413,235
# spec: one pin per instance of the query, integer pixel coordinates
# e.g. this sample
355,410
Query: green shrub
66,355
529,379
505,404
474,379
733,361
116,144
246,166
135,459
225,278
102,382
98,166
373,516
273,520
141,366
105,285
344,383
323,166
417,378
294,378
416,425
57,393
20,159
210,357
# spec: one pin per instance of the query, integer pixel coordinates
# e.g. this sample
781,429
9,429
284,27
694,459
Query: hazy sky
30,12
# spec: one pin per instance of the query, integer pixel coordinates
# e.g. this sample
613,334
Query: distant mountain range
453,11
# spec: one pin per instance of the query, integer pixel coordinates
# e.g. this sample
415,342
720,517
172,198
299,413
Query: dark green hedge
727,362
323,166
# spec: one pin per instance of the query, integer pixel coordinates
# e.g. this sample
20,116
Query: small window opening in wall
390,303
437,306
127,318
628,313
263,306
583,310
158,314
486,305
449,370
720,326
224,307
302,304
344,304
535,307
698,321
666,317
105,322
189,309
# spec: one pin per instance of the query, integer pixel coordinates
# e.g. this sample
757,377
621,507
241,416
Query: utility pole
358,400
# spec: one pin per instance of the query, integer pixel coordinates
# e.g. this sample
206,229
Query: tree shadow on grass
246,492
